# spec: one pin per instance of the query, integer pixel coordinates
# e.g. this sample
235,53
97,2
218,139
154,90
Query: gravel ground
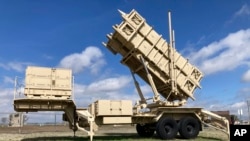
60,133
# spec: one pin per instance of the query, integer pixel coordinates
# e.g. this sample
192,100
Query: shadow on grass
114,137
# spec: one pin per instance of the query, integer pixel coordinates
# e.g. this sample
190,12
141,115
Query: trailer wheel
145,130
189,127
167,128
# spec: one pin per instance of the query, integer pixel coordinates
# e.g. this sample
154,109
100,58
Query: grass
109,133
116,137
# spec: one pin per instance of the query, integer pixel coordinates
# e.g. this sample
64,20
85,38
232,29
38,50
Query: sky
214,35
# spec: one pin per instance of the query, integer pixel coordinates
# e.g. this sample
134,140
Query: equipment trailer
172,78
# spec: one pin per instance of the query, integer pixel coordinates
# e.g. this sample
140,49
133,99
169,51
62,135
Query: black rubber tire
145,130
189,128
166,128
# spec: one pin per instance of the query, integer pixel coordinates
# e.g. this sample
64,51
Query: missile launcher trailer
173,80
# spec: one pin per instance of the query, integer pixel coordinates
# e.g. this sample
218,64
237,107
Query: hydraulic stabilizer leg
151,81
143,100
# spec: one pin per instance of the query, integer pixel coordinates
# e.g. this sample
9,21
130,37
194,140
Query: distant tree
234,118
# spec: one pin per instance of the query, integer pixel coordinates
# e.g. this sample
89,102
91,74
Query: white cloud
85,99
79,88
108,88
108,84
146,91
219,105
16,66
114,88
48,57
238,105
6,92
7,79
90,58
226,54
243,93
244,10
246,76
6,100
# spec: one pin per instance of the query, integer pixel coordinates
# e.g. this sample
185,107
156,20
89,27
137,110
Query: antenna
171,55
170,29
173,40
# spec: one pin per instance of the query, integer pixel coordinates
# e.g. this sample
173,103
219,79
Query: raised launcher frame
158,63
144,51
148,117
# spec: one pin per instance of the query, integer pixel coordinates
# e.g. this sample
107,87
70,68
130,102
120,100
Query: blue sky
214,35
